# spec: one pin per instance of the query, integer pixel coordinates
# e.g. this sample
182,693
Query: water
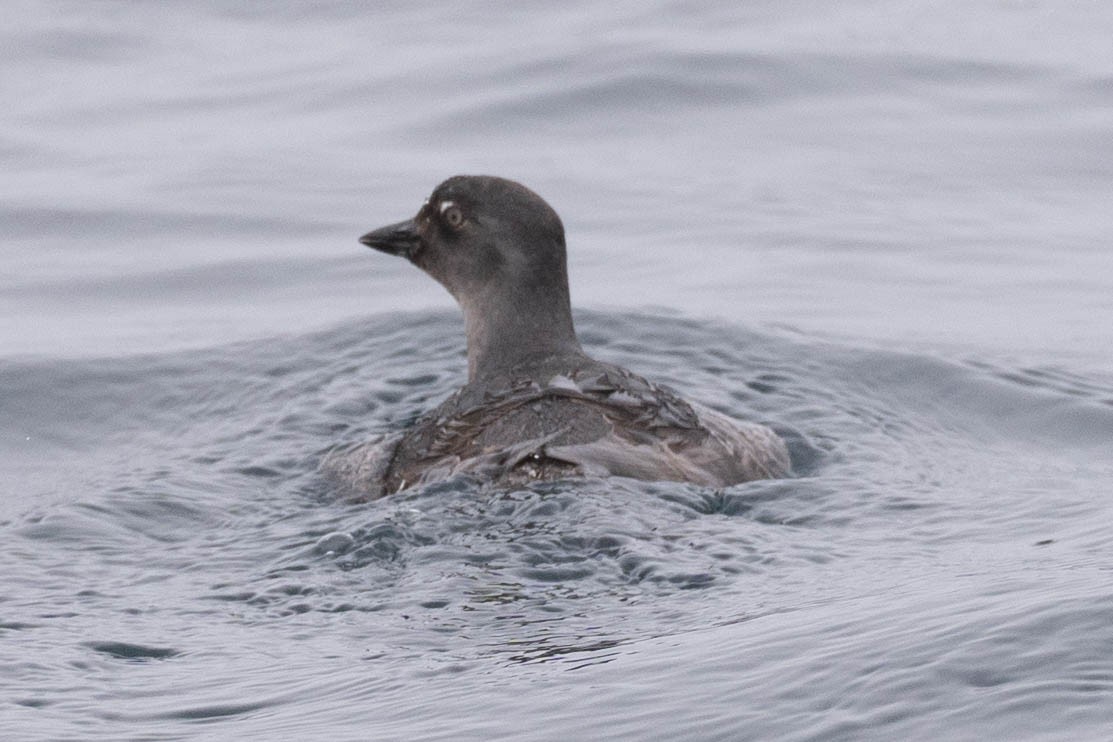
881,228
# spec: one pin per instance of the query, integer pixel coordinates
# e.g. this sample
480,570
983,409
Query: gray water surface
881,228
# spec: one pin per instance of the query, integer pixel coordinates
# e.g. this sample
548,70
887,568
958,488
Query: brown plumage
535,406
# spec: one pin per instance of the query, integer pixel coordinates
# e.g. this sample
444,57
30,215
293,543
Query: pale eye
452,215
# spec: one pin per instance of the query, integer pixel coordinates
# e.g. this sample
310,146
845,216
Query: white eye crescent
451,214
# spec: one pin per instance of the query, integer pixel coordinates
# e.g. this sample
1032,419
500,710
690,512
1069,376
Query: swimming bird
536,406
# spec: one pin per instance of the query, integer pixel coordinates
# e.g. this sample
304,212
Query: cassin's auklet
535,406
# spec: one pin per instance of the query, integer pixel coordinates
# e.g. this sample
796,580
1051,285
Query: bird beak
399,239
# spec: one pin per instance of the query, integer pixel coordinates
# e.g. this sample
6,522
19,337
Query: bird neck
518,332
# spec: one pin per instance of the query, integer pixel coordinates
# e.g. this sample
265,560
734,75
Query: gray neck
518,331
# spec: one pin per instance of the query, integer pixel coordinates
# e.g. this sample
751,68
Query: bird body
536,407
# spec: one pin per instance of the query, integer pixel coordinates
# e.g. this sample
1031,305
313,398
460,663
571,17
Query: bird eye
452,215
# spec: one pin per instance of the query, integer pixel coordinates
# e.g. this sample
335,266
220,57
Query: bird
535,406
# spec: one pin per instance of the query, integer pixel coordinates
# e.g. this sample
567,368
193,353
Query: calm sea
881,227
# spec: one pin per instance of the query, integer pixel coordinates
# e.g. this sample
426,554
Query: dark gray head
499,250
